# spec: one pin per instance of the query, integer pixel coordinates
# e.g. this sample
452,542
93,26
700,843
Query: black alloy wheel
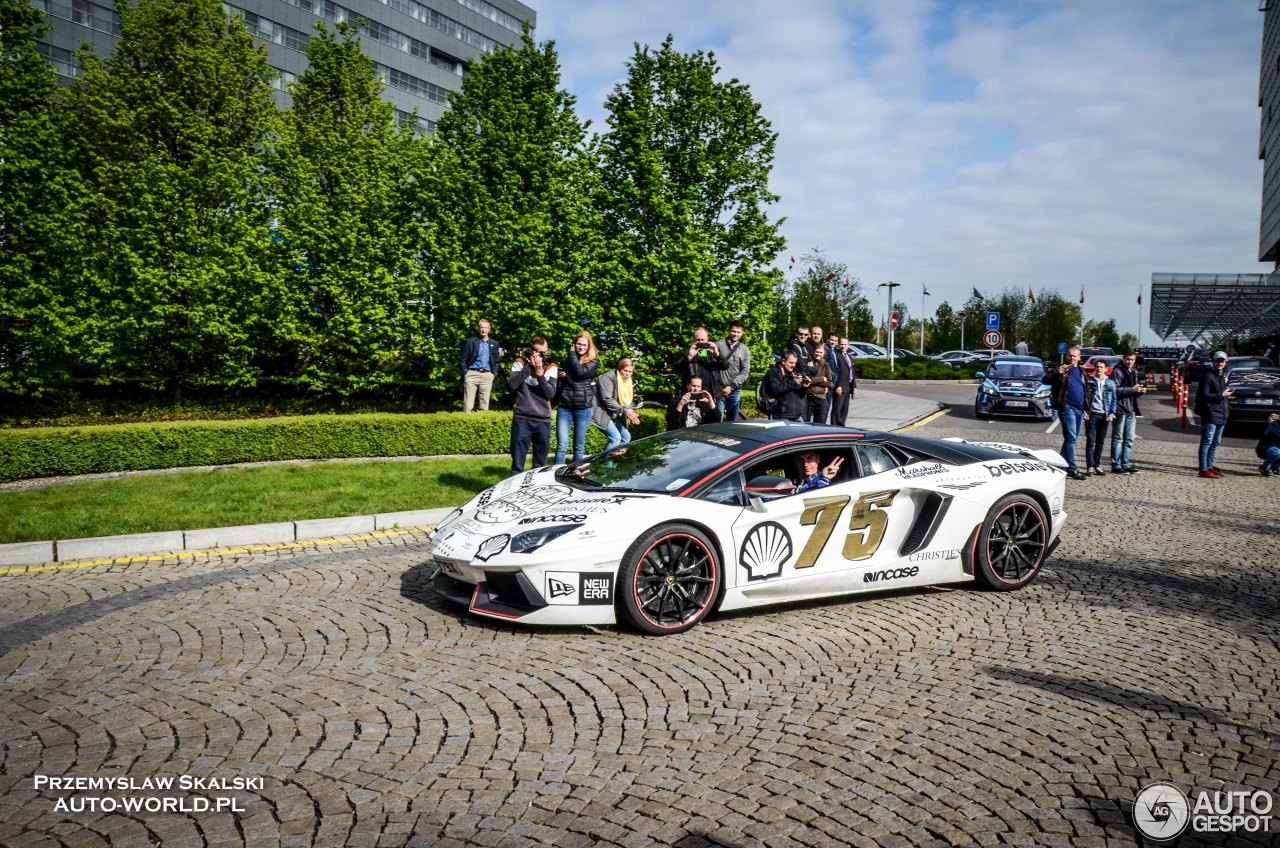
1013,544
670,579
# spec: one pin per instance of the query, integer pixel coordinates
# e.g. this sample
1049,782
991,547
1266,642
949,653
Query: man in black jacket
1128,390
480,359
789,387
1211,407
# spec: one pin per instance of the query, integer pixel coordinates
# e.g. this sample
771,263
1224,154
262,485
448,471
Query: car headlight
530,540
1042,394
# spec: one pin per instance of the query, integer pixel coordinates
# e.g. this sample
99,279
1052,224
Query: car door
824,540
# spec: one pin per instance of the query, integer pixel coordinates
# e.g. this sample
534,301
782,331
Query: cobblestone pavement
360,709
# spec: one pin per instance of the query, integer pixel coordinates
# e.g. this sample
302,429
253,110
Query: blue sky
1050,144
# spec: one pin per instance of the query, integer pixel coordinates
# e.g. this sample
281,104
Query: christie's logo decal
1015,467
926,556
891,574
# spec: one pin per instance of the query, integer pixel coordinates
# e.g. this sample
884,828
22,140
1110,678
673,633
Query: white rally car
664,530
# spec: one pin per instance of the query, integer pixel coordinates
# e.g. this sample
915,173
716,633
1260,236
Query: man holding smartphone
696,406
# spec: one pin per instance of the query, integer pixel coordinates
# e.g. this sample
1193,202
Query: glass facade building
421,48
1269,137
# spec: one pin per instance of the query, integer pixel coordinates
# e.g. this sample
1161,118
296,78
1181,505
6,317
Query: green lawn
224,497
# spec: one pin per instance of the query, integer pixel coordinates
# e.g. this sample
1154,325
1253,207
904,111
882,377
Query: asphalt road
1160,421
354,706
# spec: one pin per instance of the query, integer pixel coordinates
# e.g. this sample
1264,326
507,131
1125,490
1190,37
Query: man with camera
791,388
696,406
533,384
703,360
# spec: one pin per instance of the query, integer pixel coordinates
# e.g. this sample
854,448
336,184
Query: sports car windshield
662,463
1016,371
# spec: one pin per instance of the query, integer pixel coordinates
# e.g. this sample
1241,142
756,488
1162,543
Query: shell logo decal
765,550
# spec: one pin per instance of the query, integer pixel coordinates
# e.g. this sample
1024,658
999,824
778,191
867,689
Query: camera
703,345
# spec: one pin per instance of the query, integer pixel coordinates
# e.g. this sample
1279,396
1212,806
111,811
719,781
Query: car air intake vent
931,513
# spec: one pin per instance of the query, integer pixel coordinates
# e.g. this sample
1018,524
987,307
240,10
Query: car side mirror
979,375
767,486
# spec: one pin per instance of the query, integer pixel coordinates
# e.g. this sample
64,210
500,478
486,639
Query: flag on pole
1082,294
926,292
810,270
846,279
793,260
1031,296
830,277
1139,297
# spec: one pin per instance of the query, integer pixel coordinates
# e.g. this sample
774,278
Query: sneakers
1264,470
1132,470
1077,475
1210,473
1099,472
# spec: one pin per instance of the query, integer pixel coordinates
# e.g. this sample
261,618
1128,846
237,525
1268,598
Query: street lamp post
888,315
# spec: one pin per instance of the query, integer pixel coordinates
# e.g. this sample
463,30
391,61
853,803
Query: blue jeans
526,433
1271,457
1122,440
617,433
1210,438
1095,435
730,407
580,419
1071,419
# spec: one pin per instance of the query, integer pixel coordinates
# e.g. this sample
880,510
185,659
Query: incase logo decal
1015,467
911,472
891,574
554,519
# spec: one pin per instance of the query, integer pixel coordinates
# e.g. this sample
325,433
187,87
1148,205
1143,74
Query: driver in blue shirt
810,478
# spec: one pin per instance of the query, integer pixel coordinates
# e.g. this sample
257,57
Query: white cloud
992,143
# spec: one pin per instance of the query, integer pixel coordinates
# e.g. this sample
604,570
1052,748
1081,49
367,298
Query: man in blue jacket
1099,412
480,358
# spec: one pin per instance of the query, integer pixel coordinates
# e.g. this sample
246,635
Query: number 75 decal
867,523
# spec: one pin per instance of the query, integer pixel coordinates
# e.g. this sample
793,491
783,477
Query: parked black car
1256,394
1190,366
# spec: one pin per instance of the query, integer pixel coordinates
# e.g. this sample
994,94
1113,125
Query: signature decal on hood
521,503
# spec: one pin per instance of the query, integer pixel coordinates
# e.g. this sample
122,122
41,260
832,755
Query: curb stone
176,541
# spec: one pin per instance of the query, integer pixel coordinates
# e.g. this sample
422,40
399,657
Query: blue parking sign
993,320
1062,347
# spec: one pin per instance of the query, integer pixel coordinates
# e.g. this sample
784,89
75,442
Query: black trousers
527,433
840,407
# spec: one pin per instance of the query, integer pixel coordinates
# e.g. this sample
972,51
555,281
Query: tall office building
1269,137
421,48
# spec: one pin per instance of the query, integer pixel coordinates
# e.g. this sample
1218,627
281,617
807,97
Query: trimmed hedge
57,451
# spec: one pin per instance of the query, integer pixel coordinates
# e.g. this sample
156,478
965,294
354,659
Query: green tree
36,315
348,230
685,167
1050,320
168,135
1102,334
944,330
830,297
512,232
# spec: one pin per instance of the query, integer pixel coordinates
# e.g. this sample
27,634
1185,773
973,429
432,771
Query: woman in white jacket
616,403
